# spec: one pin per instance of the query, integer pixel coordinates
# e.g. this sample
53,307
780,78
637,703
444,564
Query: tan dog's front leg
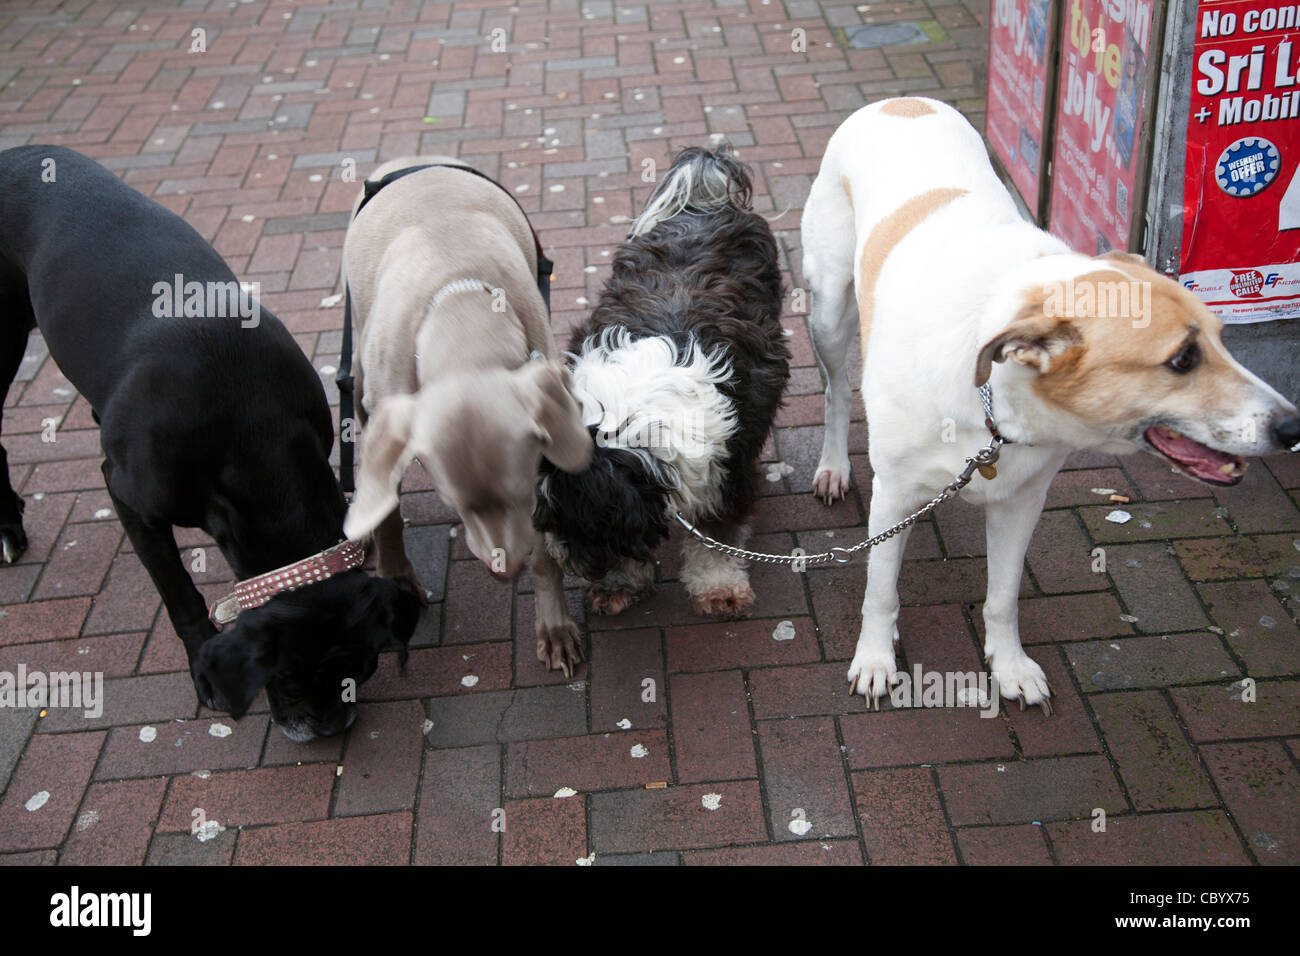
559,645
390,556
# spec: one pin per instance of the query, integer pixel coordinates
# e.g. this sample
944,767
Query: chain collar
983,461
455,287
459,285
986,396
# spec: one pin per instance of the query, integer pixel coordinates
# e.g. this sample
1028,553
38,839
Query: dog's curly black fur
703,276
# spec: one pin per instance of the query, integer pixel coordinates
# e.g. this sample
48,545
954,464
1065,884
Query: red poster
1105,45
1018,33
1241,198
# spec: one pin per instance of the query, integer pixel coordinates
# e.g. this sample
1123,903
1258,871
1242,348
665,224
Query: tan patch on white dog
888,233
1109,336
908,107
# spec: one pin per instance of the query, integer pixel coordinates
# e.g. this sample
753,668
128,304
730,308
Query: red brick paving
248,141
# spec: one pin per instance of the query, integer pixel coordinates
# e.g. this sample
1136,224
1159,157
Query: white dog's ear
557,417
385,456
1118,255
1033,338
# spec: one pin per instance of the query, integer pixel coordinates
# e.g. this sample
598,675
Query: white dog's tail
699,181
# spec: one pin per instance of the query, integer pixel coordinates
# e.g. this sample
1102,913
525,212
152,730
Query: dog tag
988,472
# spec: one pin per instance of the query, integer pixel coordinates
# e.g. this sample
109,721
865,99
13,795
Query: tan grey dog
441,266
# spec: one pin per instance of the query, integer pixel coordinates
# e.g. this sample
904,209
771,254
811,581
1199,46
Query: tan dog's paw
603,601
560,648
728,601
830,483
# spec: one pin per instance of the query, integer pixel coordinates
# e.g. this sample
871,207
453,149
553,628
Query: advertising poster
1017,90
1106,55
1241,216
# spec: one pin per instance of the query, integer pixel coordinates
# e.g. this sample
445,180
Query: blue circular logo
1247,166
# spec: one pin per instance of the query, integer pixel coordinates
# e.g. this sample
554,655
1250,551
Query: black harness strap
343,379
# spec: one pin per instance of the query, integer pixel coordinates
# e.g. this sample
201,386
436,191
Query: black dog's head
616,509
304,646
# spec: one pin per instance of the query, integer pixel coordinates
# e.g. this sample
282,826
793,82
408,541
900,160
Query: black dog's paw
203,687
13,542
194,639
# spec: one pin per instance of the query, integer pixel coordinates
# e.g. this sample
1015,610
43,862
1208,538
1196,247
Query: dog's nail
1047,707
1022,703
9,550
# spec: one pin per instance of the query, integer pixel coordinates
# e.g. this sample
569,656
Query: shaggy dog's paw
607,601
724,602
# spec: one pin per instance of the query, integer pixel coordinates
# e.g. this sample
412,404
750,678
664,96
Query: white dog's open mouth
1194,459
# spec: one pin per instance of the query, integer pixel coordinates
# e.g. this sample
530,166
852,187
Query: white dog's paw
831,481
1020,678
872,674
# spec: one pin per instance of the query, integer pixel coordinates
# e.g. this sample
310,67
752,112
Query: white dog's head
1134,359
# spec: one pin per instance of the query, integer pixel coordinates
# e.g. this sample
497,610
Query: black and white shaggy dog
680,371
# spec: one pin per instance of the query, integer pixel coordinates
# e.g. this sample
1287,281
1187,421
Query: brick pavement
749,749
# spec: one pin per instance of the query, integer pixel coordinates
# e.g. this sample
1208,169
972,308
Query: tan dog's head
1134,359
481,438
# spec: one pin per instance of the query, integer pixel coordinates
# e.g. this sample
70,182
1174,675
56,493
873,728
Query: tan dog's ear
387,452
557,417
1033,338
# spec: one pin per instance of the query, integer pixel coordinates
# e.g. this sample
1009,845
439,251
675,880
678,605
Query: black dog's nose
1287,433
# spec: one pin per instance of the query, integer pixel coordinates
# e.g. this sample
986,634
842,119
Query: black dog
210,417
680,370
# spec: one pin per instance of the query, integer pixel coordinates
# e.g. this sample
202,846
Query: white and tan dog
908,226
442,268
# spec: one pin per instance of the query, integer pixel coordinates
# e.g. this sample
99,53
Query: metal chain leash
982,461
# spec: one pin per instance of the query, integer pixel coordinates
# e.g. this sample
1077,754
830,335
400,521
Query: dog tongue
1202,461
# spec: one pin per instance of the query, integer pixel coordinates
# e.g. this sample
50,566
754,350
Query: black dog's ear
234,666
397,613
